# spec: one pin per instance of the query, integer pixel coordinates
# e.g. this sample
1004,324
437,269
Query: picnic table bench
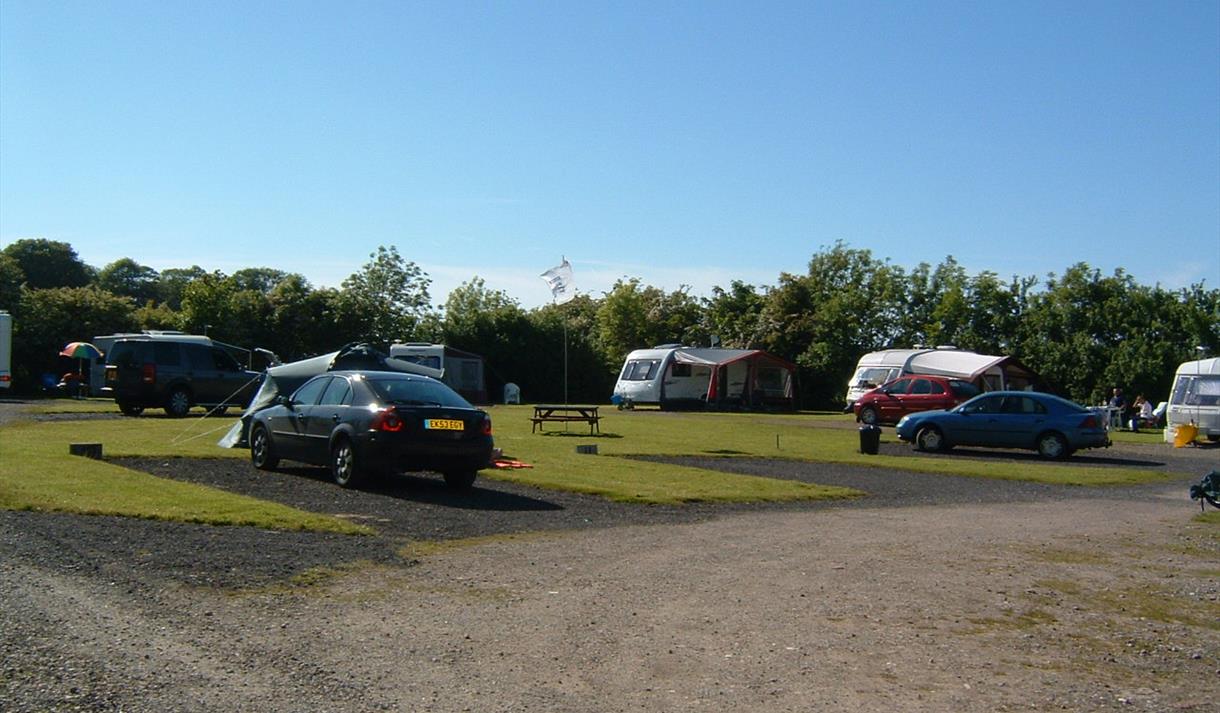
544,413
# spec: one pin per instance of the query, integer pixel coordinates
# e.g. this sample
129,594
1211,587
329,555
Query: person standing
1118,406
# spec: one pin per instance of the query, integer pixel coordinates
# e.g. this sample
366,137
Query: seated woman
1142,413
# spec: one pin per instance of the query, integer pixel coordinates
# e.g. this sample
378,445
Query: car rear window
416,392
125,354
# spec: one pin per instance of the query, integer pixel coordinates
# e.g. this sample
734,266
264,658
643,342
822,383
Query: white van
1195,399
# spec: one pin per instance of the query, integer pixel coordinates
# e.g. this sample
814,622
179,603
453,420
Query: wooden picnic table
553,413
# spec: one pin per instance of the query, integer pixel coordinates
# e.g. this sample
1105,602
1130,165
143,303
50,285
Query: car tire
1053,446
460,479
262,450
929,438
344,469
178,402
130,409
868,416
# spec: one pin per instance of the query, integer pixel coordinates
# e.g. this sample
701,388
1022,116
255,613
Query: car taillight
149,374
387,420
487,425
1089,422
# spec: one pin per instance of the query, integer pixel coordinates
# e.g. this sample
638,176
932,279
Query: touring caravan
462,371
989,373
1195,399
672,376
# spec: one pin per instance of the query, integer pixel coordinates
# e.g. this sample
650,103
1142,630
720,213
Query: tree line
1082,331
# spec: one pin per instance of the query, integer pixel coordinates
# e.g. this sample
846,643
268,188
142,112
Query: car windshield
416,392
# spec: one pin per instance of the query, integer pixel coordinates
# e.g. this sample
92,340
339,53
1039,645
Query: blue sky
681,143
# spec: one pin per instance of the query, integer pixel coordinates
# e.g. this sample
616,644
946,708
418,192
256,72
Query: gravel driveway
935,593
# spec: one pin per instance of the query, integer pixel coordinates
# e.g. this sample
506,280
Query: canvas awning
960,364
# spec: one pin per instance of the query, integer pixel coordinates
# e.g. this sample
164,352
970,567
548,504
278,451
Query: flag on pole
559,279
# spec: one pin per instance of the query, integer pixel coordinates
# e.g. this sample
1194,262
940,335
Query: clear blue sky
681,143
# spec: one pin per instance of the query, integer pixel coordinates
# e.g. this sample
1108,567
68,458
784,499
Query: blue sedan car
1045,423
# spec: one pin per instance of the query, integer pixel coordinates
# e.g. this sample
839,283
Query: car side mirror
282,400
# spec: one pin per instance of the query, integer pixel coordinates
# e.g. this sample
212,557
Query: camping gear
82,351
1185,435
1208,490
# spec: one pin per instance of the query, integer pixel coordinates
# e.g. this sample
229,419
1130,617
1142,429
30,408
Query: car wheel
1053,446
343,466
460,479
262,451
130,409
929,438
868,416
178,403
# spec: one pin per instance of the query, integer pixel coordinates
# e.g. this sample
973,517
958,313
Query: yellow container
1185,435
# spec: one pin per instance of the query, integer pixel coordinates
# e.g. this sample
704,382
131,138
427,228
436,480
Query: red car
892,400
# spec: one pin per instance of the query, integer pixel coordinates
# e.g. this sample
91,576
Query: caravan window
433,362
874,376
640,369
1201,390
679,370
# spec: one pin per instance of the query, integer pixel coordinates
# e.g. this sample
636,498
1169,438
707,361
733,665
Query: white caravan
677,377
462,371
1195,399
988,372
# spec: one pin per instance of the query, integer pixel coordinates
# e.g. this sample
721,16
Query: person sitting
1141,414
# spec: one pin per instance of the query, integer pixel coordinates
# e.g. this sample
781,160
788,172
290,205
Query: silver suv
176,374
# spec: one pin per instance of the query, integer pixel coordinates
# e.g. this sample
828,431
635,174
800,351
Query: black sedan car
369,423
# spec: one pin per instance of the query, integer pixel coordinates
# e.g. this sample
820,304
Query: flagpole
565,359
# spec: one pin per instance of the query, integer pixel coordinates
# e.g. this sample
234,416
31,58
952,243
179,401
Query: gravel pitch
110,614
414,508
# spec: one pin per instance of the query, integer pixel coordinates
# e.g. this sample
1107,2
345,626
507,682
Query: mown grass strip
36,473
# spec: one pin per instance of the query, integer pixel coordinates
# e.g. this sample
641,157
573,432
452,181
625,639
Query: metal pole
565,360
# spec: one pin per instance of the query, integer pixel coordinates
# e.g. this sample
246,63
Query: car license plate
444,424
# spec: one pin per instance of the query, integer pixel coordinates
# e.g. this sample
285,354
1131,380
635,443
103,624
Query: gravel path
935,593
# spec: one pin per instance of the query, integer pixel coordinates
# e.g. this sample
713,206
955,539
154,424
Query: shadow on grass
571,434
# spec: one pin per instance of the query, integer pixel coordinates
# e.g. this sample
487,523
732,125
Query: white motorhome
462,371
1195,399
6,350
674,377
988,372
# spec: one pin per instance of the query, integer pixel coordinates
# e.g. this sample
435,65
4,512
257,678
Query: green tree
848,304
259,279
387,299
11,279
632,316
174,281
49,263
127,278
65,314
737,316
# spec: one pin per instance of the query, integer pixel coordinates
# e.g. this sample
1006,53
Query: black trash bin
870,439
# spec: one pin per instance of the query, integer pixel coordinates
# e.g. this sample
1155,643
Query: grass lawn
824,438
39,474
